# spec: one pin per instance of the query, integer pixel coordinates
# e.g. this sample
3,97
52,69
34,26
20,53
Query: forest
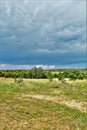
39,73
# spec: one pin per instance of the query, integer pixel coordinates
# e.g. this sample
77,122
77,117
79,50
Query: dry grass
38,105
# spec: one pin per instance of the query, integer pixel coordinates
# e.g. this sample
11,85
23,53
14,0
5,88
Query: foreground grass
18,112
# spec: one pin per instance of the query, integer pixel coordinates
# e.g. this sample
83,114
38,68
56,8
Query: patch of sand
72,103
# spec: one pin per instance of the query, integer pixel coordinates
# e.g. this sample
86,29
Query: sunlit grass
23,113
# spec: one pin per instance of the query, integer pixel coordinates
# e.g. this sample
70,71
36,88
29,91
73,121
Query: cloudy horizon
47,33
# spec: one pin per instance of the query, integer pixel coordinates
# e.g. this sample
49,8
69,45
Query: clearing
43,105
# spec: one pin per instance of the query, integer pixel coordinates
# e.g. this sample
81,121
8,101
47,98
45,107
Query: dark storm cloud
42,32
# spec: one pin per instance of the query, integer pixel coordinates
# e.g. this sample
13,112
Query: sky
46,33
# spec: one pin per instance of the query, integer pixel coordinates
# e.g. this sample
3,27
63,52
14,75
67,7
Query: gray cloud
32,30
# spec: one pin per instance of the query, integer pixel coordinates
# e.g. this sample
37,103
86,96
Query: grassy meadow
38,104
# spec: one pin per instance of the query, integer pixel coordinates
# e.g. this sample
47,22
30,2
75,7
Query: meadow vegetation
43,104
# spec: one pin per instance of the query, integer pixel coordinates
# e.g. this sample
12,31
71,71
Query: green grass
77,91
27,113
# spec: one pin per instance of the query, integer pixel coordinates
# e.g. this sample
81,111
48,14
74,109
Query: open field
38,104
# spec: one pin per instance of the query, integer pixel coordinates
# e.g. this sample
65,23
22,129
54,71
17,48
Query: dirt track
72,103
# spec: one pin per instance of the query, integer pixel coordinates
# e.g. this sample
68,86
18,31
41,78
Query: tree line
39,73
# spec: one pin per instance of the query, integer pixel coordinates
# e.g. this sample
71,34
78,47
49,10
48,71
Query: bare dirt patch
61,100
